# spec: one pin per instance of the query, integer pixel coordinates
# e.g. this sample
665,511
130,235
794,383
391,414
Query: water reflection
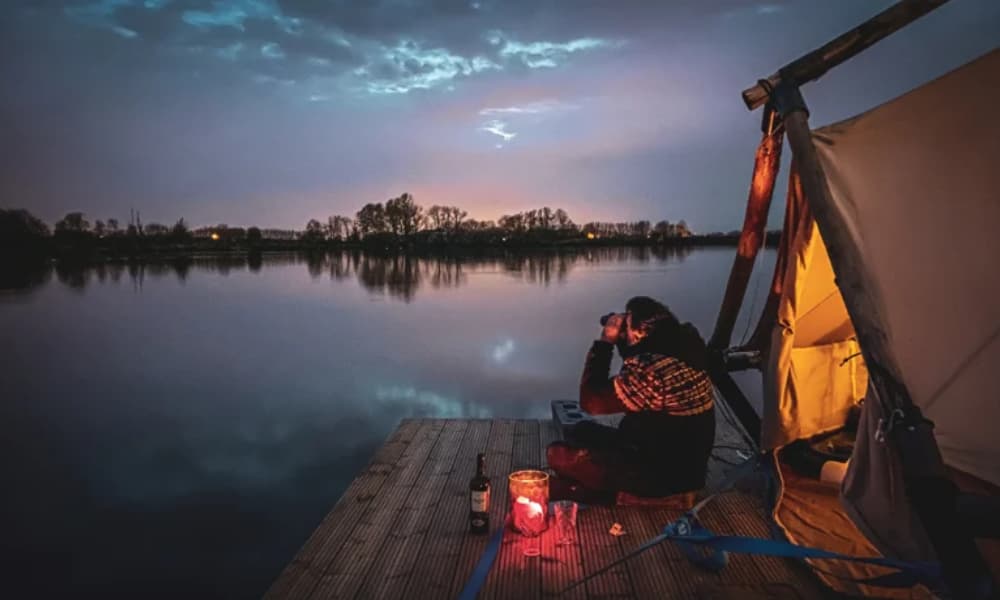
181,425
397,276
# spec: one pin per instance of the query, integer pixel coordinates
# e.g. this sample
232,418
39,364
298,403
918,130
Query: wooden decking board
652,575
302,574
432,574
401,531
345,569
499,455
518,576
561,565
601,548
388,574
515,575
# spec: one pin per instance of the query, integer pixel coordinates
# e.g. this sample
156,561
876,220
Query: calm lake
178,429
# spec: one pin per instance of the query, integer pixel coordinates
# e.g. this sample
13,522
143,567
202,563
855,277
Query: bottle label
481,501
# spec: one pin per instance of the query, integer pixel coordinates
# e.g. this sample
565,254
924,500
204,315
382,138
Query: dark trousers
630,459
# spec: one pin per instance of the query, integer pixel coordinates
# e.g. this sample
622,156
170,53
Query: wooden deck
400,531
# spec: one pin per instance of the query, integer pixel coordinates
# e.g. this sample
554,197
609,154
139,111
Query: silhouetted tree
21,229
73,223
371,219
403,215
314,231
155,229
180,230
339,227
112,226
254,236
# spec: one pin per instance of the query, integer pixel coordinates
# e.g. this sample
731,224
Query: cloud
531,108
407,66
497,127
272,50
539,55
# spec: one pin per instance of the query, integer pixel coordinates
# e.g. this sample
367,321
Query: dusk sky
271,112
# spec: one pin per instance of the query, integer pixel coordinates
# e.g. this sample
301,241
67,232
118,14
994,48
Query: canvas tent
890,220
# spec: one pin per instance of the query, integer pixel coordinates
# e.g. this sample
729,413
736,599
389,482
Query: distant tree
19,228
99,228
180,230
436,216
314,231
339,227
254,235
403,215
455,217
371,219
682,229
73,223
156,229
562,219
112,226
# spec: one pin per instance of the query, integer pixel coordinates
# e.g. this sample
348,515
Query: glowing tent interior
880,334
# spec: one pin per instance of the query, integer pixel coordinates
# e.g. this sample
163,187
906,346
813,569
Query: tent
884,304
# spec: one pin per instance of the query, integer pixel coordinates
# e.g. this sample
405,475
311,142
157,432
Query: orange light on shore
215,236
590,235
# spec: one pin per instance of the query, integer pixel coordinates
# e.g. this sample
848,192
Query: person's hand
613,328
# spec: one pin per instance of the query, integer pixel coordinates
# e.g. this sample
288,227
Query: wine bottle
479,498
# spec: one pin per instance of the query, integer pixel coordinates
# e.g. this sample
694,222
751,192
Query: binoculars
604,319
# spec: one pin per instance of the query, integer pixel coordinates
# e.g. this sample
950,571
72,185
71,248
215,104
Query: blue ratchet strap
711,552
478,577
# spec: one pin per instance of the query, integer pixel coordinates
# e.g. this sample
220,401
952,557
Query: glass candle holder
529,501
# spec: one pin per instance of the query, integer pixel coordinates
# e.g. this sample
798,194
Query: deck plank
561,565
301,575
602,548
401,531
432,575
499,454
345,570
394,561
516,576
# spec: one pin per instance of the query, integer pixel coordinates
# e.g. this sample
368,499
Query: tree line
400,221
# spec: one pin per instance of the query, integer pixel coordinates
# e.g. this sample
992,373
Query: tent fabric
809,513
918,183
814,373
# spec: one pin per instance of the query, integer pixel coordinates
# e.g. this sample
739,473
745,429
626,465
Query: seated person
663,443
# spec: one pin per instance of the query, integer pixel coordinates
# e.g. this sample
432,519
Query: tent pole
928,487
813,65
765,172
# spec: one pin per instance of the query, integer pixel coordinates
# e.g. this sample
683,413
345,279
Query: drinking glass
565,513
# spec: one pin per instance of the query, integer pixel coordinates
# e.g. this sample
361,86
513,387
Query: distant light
215,236
590,235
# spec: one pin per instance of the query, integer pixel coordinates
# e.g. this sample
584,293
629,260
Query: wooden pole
819,61
929,488
765,174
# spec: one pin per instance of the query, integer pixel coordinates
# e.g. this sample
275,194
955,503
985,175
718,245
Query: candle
529,497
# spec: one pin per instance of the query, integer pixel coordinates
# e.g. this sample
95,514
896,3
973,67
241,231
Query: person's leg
589,434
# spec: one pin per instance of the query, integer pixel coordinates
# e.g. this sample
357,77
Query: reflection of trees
24,275
396,275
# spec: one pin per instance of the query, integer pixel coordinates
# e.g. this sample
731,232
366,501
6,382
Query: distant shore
139,248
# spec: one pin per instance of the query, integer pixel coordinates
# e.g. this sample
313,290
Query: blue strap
691,536
478,577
